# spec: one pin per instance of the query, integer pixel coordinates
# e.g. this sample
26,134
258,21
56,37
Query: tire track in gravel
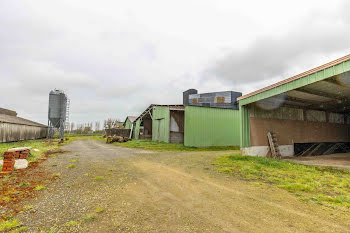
147,191
249,201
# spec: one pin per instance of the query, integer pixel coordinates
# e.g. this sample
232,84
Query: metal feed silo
57,111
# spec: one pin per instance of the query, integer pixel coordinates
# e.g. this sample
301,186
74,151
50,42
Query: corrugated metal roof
132,118
8,112
299,76
18,120
171,106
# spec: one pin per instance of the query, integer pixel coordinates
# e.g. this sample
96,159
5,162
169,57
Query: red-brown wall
295,131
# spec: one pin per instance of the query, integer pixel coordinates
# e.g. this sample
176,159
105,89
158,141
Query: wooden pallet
275,151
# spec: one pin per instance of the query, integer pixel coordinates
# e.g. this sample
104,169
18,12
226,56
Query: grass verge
162,146
23,183
9,225
323,185
41,146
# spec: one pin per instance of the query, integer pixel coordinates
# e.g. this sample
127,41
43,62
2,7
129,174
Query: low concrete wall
286,150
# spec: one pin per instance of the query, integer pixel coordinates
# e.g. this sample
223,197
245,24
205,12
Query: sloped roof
18,120
132,118
8,112
171,106
299,76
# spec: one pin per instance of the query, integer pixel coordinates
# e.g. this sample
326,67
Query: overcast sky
115,58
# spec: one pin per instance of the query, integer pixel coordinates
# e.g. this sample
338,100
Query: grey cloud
119,90
270,57
114,66
37,77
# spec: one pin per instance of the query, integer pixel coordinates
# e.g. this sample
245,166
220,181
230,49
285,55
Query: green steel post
245,125
137,129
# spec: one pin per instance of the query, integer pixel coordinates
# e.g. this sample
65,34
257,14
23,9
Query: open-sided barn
13,128
163,123
309,113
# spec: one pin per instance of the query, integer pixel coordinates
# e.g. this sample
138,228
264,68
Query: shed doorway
177,119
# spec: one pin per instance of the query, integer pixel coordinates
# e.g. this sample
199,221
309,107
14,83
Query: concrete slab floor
341,160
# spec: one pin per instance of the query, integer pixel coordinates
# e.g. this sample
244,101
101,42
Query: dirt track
144,191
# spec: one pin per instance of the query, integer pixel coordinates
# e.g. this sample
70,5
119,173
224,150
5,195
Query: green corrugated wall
206,127
128,124
160,124
137,129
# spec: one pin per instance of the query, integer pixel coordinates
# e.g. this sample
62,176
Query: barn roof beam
321,94
300,100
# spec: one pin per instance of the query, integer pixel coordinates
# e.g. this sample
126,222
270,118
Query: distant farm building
13,128
129,121
204,120
308,113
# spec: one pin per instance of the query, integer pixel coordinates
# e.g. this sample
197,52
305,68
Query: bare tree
79,129
110,123
72,126
97,126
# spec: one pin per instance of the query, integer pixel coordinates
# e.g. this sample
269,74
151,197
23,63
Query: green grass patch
28,207
71,224
56,175
99,209
9,225
323,185
8,217
52,230
23,184
21,229
39,187
162,146
42,145
99,178
71,166
89,217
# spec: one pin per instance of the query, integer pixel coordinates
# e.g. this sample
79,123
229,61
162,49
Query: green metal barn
129,122
205,127
308,113
191,125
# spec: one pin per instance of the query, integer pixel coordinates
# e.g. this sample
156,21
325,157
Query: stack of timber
111,139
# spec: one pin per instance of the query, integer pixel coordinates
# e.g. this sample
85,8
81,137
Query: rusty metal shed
13,128
308,110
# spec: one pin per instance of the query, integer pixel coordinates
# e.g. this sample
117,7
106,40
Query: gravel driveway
142,191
